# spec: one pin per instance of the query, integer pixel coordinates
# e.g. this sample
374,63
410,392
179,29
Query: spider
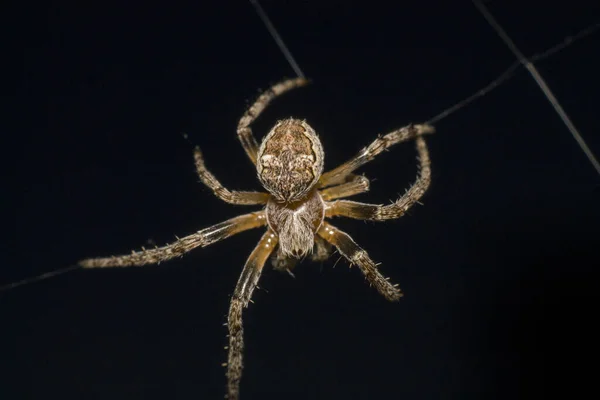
299,197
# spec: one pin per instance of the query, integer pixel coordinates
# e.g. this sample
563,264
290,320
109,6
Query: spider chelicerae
289,164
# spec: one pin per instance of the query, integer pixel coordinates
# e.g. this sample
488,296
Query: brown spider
289,165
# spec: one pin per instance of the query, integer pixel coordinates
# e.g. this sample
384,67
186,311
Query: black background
496,266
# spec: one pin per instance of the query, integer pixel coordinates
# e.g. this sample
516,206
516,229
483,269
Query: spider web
451,260
517,67
522,61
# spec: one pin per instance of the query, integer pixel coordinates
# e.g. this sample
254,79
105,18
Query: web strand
540,82
569,40
514,69
275,35
503,77
37,278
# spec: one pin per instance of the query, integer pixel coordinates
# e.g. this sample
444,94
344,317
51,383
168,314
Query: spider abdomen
290,160
296,223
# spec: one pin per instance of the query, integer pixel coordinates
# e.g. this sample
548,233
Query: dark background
496,266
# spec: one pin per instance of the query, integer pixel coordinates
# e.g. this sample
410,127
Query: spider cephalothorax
296,223
300,197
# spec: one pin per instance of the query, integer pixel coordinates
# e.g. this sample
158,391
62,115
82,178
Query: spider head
290,160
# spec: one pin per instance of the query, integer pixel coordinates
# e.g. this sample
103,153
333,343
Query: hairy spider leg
244,131
356,255
241,296
356,184
201,238
338,175
378,212
228,196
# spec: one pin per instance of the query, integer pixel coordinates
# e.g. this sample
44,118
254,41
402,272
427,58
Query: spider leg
201,238
338,175
241,296
358,184
232,197
356,255
353,209
244,132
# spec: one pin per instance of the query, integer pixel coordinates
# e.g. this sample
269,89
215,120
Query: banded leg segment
356,255
358,184
232,197
201,238
353,209
339,174
244,132
241,296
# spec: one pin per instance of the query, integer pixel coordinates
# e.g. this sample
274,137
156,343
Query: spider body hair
296,223
289,165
